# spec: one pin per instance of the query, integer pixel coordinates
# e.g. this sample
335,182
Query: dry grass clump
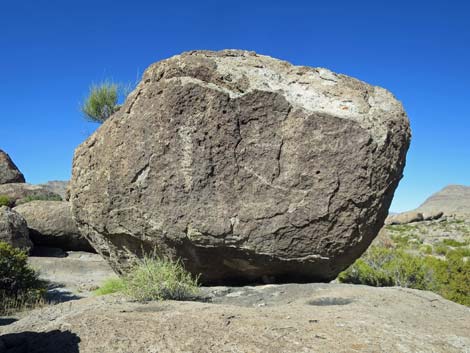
154,278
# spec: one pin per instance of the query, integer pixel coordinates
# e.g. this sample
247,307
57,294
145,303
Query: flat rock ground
270,318
72,274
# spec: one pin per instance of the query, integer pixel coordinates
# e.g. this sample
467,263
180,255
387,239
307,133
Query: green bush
388,267
441,249
101,102
453,243
19,284
426,249
154,279
5,201
383,267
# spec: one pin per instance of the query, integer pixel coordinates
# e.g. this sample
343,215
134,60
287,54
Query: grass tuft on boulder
101,102
20,286
153,278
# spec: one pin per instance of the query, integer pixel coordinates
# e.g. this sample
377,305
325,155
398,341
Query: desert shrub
401,240
153,278
5,201
383,267
461,252
101,102
453,243
441,249
396,267
19,284
451,276
426,249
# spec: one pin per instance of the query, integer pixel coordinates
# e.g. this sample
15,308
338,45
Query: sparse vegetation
112,285
454,243
39,198
449,277
5,201
153,278
102,101
440,249
20,286
382,267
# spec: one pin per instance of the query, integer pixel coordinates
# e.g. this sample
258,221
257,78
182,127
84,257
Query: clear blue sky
50,51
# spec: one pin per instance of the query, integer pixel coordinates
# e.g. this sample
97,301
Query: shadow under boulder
51,224
40,342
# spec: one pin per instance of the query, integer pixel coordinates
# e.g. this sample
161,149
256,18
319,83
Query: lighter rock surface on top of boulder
313,89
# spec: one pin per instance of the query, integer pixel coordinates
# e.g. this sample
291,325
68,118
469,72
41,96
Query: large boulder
246,167
51,224
13,229
19,193
9,172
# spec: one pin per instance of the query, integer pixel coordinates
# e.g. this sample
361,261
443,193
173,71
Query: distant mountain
452,200
58,187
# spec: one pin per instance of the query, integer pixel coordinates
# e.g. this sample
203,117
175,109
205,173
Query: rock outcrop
404,218
20,192
58,187
50,224
13,229
9,172
246,167
316,318
453,200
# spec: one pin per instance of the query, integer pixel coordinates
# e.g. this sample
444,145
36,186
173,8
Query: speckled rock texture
246,167
9,172
305,318
50,223
13,229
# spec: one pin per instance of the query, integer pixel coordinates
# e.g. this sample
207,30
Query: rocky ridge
453,200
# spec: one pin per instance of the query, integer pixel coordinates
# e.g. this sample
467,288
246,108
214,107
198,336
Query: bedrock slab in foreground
312,318
246,167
